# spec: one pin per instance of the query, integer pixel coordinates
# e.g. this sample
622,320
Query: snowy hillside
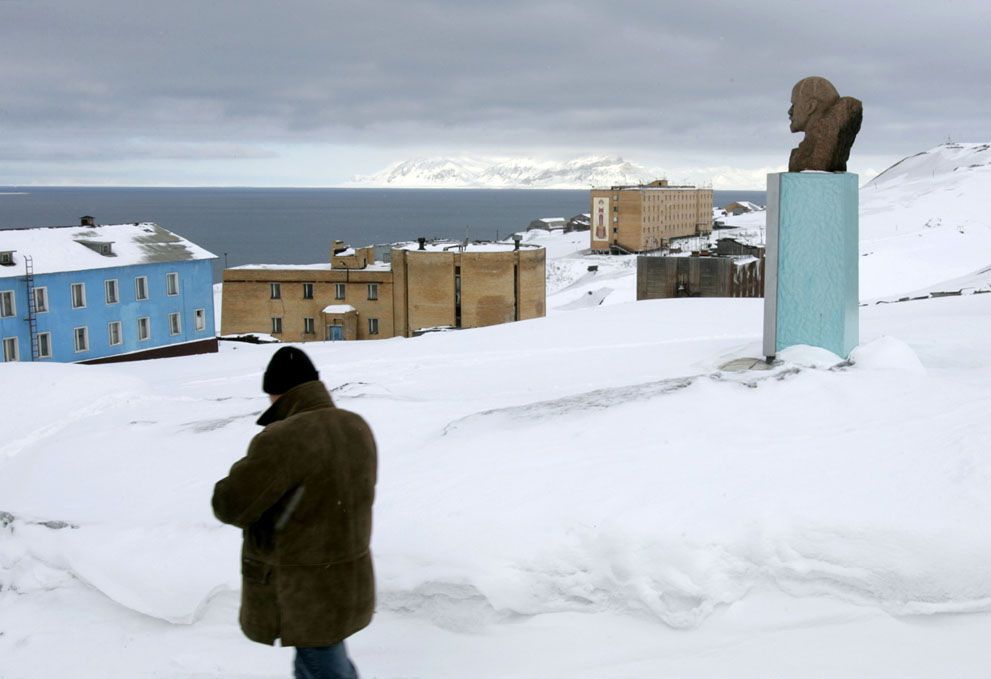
523,173
925,222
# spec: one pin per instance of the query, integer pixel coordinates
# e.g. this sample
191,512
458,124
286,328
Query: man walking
303,496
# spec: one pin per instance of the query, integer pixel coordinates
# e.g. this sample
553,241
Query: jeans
324,662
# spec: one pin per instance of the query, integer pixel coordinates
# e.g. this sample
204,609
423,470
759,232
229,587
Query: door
335,333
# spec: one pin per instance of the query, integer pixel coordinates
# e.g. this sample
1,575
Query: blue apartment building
97,293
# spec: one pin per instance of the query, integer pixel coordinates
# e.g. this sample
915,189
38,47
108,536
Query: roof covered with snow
460,246
338,309
320,266
78,248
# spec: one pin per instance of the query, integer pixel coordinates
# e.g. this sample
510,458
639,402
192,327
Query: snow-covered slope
500,173
586,495
925,222
583,495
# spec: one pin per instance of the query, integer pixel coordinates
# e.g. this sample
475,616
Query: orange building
425,285
645,217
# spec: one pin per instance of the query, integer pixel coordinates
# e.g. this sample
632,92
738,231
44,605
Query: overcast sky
309,93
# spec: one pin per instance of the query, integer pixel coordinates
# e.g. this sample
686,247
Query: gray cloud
706,78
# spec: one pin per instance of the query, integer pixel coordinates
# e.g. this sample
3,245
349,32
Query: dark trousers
324,662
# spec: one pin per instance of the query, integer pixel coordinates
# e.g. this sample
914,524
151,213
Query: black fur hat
288,368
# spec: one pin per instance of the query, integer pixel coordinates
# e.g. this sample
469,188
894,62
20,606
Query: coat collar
306,396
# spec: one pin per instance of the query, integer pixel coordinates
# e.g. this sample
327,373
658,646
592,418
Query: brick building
736,270
425,285
645,217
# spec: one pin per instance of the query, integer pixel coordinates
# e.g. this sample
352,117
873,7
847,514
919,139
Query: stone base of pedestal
811,288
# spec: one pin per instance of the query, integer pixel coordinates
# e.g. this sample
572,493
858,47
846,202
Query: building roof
321,266
746,204
460,246
338,309
76,248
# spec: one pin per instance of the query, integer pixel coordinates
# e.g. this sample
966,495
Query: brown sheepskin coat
303,495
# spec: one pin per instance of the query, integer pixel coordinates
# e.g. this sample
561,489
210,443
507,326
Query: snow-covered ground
583,495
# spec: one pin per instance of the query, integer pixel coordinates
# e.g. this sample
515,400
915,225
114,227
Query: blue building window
9,349
40,300
78,295
199,320
44,345
175,324
81,339
144,329
112,293
141,287
113,333
171,284
7,308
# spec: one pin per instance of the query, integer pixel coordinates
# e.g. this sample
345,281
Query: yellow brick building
426,285
645,217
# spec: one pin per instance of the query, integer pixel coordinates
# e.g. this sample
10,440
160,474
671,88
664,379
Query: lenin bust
830,123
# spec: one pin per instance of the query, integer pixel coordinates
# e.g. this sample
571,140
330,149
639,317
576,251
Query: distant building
740,207
97,293
645,217
547,224
580,222
425,285
735,270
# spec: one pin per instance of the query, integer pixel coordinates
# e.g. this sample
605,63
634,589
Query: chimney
516,241
87,221
423,242
338,247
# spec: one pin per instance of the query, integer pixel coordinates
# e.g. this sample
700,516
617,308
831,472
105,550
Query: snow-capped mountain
509,173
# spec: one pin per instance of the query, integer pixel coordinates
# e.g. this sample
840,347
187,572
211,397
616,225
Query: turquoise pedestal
811,290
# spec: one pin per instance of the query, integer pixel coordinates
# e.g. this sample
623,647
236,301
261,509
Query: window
276,289
373,326
307,290
144,328
9,349
44,345
172,284
199,320
338,290
308,326
78,295
40,300
373,291
276,326
141,287
80,338
113,332
175,324
7,258
110,288
7,308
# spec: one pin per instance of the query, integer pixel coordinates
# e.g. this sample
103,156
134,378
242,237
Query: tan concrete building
645,217
426,285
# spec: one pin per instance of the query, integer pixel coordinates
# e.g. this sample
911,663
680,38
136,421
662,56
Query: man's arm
254,484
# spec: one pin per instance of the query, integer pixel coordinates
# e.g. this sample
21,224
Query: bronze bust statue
830,123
